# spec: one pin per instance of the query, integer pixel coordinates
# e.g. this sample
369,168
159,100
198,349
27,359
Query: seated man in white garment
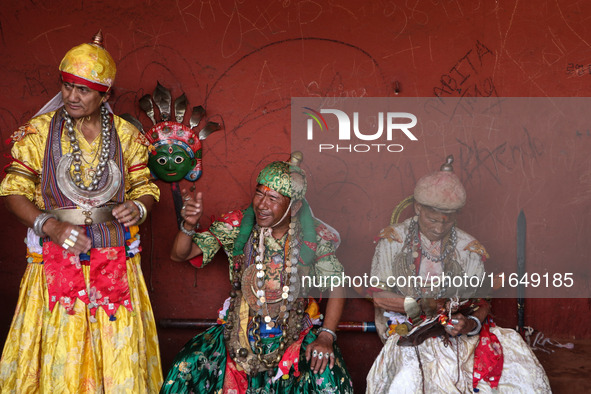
464,351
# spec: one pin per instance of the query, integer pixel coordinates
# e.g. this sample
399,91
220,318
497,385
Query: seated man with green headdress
266,339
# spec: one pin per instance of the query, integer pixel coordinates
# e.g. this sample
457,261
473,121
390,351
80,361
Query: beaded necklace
412,247
444,253
291,310
288,275
75,167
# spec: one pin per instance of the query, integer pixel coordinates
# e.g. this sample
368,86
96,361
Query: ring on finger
187,198
327,355
65,246
454,321
314,353
320,355
74,232
73,238
69,242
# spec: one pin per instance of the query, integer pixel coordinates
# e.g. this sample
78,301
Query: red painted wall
244,60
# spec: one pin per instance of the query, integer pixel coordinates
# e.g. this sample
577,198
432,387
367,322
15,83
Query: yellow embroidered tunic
77,353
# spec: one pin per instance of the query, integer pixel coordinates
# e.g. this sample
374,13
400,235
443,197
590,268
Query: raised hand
192,209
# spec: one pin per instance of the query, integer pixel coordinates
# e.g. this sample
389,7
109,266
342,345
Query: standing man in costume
78,179
460,352
266,341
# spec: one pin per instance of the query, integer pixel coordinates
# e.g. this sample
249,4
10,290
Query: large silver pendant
86,199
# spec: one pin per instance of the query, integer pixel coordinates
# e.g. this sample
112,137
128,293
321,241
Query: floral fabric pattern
202,366
76,352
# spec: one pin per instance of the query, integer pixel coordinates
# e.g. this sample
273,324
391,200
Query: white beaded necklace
290,271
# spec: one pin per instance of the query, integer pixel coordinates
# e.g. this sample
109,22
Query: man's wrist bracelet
143,211
191,232
328,330
40,222
476,330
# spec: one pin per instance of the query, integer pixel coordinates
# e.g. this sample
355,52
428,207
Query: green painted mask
177,152
171,163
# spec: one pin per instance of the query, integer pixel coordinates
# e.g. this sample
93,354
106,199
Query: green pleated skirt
200,368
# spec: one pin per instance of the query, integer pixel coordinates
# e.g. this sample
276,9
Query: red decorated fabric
65,280
325,233
233,218
488,357
311,245
235,381
108,275
291,357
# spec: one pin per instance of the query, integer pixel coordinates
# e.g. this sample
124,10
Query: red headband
71,78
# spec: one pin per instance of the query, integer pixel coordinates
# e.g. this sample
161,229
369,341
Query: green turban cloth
284,178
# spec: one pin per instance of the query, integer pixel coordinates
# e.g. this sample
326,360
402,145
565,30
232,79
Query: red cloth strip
71,78
137,167
21,163
324,255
